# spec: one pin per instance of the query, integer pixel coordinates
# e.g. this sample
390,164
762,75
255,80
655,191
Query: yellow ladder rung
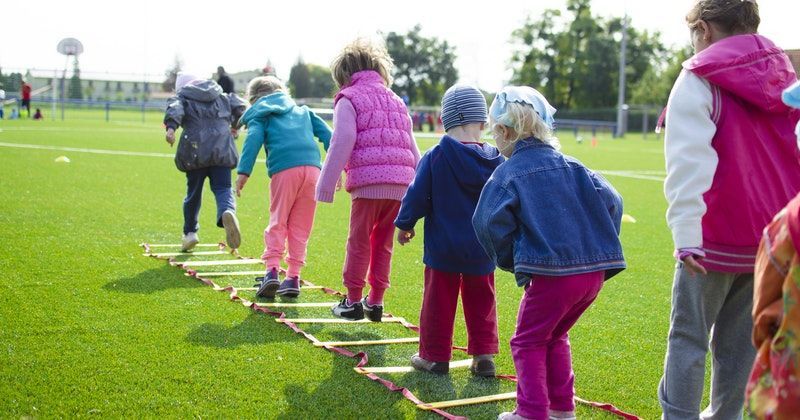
178,254
178,245
368,342
335,320
297,304
468,401
228,273
407,369
244,261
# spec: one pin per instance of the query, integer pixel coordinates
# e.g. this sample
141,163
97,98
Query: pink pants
439,302
540,346
291,216
369,245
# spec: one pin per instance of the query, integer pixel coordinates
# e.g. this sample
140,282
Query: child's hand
339,183
234,132
171,136
240,181
693,266
404,236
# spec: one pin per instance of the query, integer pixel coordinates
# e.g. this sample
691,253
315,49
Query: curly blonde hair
362,54
262,86
526,123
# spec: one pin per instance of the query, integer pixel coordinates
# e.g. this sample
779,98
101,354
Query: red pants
369,245
439,302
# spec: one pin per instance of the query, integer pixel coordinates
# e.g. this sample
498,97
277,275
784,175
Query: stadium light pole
622,65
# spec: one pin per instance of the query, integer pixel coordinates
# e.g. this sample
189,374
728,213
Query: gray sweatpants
722,301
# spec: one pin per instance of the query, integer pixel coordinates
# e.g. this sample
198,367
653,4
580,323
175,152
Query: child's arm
416,203
252,146
691,160
342,142
495,223
238,106
321,130
610,197
173,118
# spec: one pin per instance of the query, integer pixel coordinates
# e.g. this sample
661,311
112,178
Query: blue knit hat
461,105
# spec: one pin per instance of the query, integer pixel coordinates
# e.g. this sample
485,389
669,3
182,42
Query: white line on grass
643,175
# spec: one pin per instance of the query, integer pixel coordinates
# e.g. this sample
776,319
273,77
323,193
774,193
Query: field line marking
92,151
634,175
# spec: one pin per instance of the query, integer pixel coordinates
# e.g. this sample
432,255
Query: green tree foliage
300,80
424,67
75,90
322,85
656,84
168,85
572,56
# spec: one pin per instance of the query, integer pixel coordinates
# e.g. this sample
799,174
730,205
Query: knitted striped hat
461,105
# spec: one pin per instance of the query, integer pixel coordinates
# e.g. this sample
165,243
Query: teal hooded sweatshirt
286,131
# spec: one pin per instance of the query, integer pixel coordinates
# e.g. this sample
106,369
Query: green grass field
88,326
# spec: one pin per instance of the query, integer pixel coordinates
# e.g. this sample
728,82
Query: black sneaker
373,312
269,285
483,365
352,311
419,363
290,287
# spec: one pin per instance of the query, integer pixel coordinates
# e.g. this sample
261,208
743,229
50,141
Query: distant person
286,132
224,80
38,115
732,164
2,101
445,191
206,150
431,122
774,387
25,93
380,157
555,225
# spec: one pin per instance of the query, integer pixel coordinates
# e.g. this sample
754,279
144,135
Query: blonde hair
362,54
526,123
262,86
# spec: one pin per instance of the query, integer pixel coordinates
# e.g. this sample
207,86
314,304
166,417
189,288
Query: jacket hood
748,66
471,165
275,103
202,90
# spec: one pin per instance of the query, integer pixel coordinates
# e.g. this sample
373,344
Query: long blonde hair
362,54
526,123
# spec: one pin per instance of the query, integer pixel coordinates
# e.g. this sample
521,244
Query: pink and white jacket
731,155
372,141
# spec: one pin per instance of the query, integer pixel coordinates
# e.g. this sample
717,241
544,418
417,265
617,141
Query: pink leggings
291,216
540,347
369,245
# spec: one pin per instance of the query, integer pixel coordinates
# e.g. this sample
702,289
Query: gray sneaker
483,365
441,368
189,241
231,224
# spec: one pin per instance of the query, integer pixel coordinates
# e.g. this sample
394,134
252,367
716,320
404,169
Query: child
774,387
373,143
286,131
205,150
445,192
555,224
731,165
38,114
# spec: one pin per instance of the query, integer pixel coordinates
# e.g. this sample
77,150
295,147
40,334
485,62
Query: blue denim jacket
545,213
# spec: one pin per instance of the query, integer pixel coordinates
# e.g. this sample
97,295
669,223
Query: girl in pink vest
373,143
731,164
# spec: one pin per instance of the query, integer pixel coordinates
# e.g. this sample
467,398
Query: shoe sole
289,293
232,235
268,289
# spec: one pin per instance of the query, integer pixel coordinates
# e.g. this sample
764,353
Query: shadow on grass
154,280
255,329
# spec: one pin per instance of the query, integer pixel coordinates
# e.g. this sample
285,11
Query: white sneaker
561,415
231,224
189,241
510,416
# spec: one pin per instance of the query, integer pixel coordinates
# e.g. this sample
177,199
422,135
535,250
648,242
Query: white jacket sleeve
691,160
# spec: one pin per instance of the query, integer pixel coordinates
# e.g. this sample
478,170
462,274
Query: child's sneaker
347,310
483,365
269,285
560,415
189,241
419,363
290,287
511,416
231,224
373,312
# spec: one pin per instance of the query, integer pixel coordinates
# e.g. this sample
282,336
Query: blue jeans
220,180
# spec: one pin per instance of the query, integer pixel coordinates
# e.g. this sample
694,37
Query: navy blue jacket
445,191
545,213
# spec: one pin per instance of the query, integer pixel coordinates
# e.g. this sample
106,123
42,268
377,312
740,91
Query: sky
144,37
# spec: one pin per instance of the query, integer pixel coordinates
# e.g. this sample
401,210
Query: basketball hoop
70,46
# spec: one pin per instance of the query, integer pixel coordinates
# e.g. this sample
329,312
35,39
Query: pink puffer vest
382,152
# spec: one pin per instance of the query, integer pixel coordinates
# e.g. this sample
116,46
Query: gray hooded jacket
206,115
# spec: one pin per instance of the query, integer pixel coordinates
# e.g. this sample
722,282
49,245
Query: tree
572,56
424,67
75,90
172,74
656,84
300,80
322,85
